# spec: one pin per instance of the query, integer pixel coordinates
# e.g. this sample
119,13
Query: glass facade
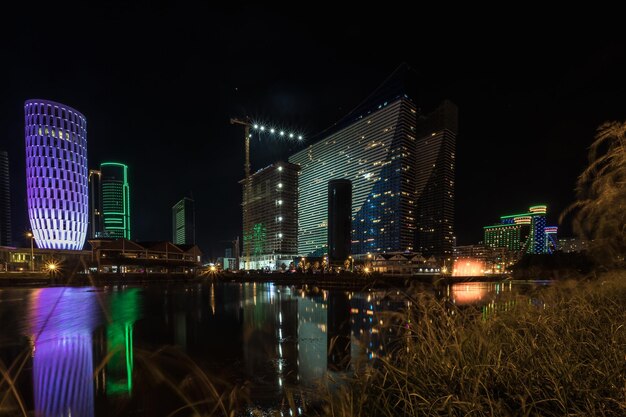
435,164
377,153
115,200
183,222
56,174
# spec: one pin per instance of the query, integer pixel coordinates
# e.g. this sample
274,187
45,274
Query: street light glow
272,130
291,135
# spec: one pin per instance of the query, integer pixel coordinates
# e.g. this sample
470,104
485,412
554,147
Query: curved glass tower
56,174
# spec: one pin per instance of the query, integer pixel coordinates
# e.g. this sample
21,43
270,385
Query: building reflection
124,310
339,331
312,338
62,320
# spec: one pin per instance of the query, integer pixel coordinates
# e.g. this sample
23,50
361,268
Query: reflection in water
338,331
465,293
124,309
312,349
273,338
62,320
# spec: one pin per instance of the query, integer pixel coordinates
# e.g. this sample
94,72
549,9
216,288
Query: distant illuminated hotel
524,232
56,174
115,200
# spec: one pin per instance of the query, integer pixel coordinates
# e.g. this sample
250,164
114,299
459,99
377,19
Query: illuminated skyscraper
56,174
376,151
5,201
436,141
95,204
115,200
183,222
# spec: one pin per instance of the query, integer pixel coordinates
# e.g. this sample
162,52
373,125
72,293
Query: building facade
339,220
56,174
184,222
436,160
115,196
377,153
270,222
523,233
95,204
5,201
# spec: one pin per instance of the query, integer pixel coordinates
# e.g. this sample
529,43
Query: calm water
95,351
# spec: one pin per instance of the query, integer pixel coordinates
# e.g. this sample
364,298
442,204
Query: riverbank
346,281
562,353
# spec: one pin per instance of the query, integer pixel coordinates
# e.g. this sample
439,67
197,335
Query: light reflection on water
83,340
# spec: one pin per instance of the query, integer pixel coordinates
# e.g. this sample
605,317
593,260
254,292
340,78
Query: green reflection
124,313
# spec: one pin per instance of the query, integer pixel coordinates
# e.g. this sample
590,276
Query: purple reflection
62,320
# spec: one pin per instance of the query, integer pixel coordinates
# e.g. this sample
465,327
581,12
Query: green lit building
115,200
524,232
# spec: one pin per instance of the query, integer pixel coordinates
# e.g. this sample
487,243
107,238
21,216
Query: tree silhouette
600,211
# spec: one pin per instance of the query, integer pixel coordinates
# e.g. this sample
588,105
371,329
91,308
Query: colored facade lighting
56,174
551,229
523,220
542,209
115,200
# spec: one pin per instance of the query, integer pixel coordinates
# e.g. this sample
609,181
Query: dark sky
159,84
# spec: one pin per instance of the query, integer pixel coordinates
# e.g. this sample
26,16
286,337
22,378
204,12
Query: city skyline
541,102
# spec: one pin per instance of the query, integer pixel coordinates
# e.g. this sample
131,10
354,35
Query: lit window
279,202
280,218
280,235
280,185
280,168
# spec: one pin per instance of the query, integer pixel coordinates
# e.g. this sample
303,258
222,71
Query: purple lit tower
56,174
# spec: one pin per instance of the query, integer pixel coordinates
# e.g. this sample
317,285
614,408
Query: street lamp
32,251
351,263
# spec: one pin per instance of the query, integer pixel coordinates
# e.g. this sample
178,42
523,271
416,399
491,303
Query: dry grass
567,357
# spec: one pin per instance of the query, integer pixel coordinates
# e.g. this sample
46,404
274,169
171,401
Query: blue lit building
376,152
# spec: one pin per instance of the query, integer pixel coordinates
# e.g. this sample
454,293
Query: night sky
158,86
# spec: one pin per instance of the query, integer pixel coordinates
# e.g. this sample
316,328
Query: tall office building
95,204
115,200
5,201
270,198
184,222
436,141
339,220
56,174
376,151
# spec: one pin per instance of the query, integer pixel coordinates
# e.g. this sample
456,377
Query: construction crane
248,125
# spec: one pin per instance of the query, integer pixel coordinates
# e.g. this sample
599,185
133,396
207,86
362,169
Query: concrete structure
270,217
56,174
404,263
